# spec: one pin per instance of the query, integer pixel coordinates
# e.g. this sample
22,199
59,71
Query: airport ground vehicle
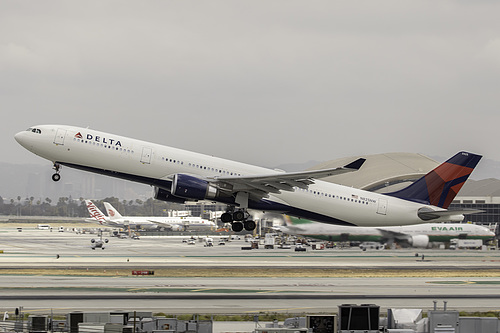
371,246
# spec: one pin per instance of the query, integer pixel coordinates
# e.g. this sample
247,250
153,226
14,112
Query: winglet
356,165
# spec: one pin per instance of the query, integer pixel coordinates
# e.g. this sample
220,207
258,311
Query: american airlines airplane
419,235
115,219
179,176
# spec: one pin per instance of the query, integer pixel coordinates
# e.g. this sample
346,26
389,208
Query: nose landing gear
56,177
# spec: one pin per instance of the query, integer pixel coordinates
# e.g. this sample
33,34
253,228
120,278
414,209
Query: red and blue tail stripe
440,186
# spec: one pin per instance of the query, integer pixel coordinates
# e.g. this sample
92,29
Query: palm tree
19,205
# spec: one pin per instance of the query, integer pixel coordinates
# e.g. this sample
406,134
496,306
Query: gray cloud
260,82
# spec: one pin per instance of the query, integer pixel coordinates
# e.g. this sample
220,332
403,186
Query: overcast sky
262,82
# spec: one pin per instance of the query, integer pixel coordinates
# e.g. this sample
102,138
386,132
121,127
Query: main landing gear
238,219
56,177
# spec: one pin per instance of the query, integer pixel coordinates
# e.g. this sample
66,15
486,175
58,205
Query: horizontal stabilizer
428,215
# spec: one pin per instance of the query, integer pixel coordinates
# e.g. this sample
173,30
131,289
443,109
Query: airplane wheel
226,218
56,177
237,226
239,215
249,225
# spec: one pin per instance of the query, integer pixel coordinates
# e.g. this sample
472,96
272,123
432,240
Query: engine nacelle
419,241
165,195
177,228
192,188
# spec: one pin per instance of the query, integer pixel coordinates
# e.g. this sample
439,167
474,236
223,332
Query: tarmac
44,270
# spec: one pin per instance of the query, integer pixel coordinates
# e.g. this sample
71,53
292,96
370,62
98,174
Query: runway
96,280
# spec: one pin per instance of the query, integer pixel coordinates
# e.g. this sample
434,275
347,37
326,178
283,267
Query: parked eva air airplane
419,235
179,175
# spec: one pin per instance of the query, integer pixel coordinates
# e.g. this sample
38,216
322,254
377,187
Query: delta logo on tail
440,186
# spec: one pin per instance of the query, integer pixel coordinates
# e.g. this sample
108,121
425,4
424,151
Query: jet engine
192,188
165,195
419,241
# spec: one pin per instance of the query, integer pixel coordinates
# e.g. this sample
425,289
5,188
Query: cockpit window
34,130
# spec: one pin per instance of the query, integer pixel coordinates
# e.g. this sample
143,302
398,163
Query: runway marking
105,290
47,310
465,282
269,291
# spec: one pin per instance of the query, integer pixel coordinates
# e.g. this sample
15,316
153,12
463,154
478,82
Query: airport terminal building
489,205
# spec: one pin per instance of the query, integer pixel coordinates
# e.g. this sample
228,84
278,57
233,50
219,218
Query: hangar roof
381,172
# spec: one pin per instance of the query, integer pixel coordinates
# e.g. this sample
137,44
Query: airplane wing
173,226
260,186
393,235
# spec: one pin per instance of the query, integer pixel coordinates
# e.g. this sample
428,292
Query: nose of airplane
22,138
19,137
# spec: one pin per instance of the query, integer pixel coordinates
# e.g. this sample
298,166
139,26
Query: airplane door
60,134
382,207
146,155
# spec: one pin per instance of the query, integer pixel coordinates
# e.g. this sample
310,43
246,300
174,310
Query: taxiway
58,271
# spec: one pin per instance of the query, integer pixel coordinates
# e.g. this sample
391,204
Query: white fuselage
435,231
151,163
176,223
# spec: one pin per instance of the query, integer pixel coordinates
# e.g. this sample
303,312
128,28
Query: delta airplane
419,235
115,219
179,176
